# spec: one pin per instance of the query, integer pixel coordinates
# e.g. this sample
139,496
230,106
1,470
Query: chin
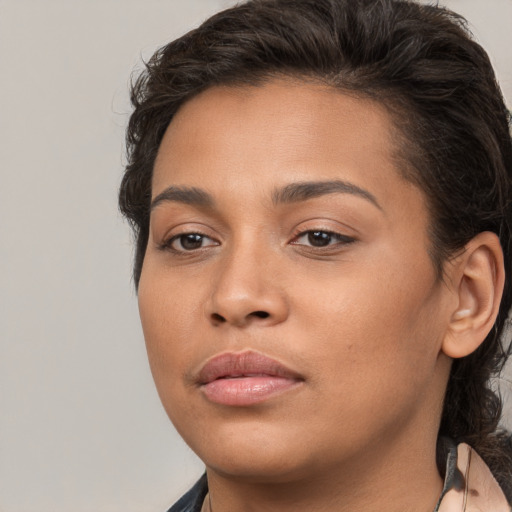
266,467
257,452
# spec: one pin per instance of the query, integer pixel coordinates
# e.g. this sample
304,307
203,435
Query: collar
469,485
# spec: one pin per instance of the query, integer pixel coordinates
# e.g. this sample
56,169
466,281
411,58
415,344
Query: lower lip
244,391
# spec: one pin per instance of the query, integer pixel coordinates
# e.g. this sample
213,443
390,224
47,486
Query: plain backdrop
81,426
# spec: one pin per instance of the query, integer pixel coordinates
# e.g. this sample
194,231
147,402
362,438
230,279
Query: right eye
187,242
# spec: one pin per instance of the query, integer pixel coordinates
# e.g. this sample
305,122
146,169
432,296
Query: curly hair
438,85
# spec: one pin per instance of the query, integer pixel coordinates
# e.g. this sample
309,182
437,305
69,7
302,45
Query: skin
364,321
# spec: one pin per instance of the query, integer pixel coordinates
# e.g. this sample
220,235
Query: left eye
190,242
318,238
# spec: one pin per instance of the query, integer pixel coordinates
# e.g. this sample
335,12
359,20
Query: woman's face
291,311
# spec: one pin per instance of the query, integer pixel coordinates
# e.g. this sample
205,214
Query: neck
382,480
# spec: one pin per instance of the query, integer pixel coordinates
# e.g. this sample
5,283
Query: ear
477,276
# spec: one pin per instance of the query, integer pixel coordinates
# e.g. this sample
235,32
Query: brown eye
319,238
190,242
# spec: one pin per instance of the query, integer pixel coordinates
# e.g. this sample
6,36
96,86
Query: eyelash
332,235
167,245
329,236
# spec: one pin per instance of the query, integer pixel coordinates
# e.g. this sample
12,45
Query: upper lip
247,363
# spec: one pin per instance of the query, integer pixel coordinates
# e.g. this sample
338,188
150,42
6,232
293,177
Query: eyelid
165,241
327,225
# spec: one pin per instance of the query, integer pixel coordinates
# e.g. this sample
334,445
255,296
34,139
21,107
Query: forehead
233,140
285,117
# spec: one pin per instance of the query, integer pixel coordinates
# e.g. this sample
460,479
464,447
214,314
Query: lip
245,378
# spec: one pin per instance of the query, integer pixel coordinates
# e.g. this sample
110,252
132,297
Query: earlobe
477,276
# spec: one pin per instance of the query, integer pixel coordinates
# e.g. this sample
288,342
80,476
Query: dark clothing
192,501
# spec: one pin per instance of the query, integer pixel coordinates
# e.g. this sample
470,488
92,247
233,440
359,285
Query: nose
247,290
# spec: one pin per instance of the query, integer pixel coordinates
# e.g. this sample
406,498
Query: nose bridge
247,287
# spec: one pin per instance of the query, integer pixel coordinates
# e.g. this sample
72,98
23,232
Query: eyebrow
187,195
294,192
302,191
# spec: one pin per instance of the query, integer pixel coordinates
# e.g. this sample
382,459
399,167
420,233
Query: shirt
469,485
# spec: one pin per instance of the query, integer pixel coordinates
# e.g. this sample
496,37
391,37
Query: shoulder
192,501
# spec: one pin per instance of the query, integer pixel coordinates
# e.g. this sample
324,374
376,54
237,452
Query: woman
321,197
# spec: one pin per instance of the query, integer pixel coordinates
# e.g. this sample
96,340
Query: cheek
166,312
380,325
169,355
370,354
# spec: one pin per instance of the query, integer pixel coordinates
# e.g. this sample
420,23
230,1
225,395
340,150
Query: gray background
81,427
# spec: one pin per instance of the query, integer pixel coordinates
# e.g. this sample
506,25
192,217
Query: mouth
246,378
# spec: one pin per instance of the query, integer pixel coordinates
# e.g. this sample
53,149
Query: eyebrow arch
187,195
302,191
294,192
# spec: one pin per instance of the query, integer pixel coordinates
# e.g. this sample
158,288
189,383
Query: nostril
260,314
218,318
